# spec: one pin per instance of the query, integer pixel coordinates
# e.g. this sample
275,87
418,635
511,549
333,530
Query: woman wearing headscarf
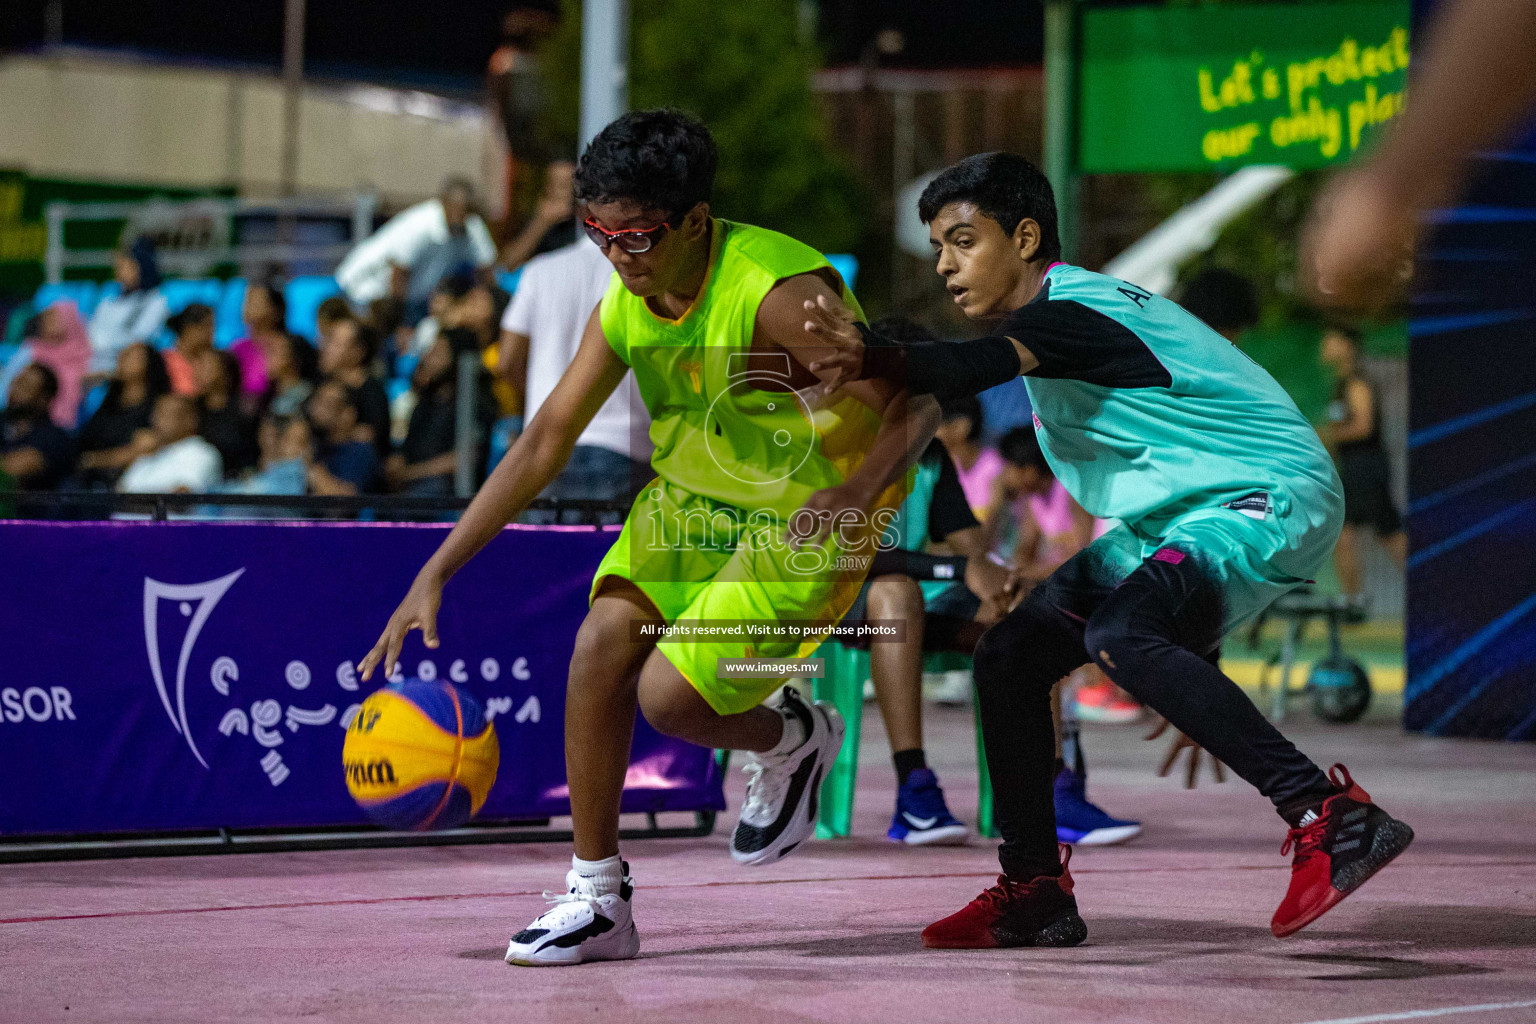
137,313
57,340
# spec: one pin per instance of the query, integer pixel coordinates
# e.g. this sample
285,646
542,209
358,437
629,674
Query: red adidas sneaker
1039,912
1335,852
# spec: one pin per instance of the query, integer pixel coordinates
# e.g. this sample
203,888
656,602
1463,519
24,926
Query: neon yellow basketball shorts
701,559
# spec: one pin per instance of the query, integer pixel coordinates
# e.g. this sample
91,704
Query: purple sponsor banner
198,675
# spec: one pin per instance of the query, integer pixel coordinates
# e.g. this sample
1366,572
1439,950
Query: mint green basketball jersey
1147,415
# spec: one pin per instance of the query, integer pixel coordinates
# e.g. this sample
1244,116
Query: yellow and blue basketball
420,755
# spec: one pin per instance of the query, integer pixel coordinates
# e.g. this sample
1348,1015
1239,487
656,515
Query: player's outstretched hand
832,322
417,611
1178,746
1357,248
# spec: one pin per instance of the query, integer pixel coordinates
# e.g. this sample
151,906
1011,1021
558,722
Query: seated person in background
343,464
292,368
387,318
112,438
56,338
265,314
135,314
328,314
224,423
181,462
977,465
283,467
424,464
540,333
193,328
443,296
35,453
471,324
347,355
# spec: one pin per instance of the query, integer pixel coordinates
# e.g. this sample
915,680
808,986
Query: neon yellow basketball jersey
717,432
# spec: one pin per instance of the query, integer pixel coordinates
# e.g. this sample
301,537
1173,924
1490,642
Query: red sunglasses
630,240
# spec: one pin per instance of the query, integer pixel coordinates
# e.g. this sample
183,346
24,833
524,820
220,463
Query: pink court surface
1178,920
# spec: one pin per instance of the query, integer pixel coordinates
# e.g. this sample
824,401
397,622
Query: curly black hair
1005,187
662,159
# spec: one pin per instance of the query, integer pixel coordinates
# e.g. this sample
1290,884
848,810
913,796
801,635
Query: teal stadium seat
846,264
304,295
182,292
84,294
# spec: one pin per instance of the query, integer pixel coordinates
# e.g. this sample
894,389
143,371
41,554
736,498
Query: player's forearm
946,369
527,468
905,430
1475,80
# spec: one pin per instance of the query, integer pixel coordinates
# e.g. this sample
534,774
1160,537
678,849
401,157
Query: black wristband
942,369
917,565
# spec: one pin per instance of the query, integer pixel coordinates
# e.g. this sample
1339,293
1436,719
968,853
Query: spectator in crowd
517,96
540,332
343,464
136,313
35,453
552,225
1225,300
425,463
193,328
1353,434
443,296
420,246
332,311
56,338
265,314
977,465
471,325
347,354
283,467
180,462
387,318
118,431
292,368
223,421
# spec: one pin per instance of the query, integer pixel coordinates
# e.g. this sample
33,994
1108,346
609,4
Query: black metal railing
90,505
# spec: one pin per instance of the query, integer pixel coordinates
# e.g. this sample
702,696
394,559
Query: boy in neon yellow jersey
753,468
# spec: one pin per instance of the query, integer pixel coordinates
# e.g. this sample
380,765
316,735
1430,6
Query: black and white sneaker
581,926
779,812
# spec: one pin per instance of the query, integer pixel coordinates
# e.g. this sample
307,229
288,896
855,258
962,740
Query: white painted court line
1444,1011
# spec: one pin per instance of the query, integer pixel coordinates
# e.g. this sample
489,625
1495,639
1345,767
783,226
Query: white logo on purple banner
265,719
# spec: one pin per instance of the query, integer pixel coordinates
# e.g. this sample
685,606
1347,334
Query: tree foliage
744,69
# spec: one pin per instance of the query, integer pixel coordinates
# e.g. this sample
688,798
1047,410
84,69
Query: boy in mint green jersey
1226,498
707,314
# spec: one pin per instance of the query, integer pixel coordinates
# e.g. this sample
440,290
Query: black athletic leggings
1151,635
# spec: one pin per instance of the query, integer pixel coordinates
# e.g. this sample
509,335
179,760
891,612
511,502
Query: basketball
420,756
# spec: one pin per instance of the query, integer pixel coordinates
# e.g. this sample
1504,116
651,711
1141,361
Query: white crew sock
605,876
793,739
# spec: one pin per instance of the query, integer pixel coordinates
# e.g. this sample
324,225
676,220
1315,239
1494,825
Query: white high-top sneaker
581,926
779,812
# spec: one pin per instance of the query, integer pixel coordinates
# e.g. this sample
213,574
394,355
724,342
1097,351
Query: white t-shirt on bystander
555,297
190,464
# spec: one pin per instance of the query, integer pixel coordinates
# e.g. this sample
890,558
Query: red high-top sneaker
1039,912
1336,851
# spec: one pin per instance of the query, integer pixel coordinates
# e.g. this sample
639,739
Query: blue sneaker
1081,823
922,818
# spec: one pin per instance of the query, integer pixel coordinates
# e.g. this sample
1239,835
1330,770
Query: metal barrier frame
331,837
